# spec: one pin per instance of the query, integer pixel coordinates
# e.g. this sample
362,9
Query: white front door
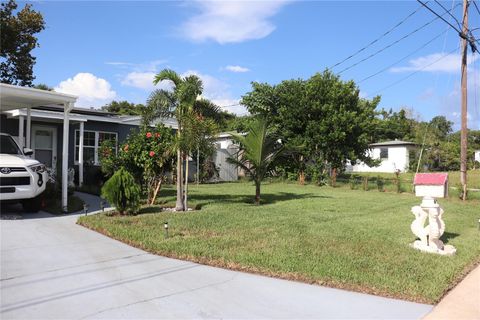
44,145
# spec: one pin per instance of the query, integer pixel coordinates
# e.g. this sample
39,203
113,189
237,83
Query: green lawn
331,236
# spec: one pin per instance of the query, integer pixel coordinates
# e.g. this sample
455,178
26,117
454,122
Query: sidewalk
463,302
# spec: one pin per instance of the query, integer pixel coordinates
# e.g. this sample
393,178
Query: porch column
21,139
29,127
66,111
80,156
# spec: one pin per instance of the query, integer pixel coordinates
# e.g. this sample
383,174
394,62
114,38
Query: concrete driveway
53,268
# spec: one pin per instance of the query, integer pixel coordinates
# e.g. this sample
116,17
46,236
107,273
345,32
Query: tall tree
178,103
258,152
124,107
323,115
17,34
42,86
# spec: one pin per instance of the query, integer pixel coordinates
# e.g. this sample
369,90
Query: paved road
53,268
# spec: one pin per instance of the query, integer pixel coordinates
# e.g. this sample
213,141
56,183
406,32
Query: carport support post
80,156
66,110
21,139
29,127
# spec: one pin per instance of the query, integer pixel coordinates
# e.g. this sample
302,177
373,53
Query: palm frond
167,74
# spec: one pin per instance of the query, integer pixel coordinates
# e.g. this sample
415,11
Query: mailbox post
430,186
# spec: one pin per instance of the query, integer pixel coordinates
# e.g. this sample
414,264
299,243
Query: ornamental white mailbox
434,185
430,186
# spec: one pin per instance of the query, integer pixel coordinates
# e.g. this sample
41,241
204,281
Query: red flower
157,135
125,148
149,134
151,154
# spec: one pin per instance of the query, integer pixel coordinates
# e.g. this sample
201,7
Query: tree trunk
301,177
185,206
334,177
257,193
179,204
301,173
156,190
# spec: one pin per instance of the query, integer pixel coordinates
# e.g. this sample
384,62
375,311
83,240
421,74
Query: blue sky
111,50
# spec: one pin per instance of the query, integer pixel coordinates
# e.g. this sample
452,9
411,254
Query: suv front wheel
32,205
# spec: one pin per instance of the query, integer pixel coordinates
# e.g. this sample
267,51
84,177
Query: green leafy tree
258,152
239,123
125,108
42,86
17,40
393,125
122,191
322,117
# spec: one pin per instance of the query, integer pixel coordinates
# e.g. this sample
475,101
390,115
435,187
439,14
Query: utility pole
463,134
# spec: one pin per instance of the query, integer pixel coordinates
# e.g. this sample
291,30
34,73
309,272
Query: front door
44,145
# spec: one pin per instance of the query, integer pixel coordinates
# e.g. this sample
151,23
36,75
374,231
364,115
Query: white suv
21,178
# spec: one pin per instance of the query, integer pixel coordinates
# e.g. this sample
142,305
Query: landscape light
102,205
165,226
85,208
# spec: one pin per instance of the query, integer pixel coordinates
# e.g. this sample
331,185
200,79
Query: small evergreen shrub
123,192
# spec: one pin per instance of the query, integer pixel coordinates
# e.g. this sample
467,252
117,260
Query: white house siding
398,159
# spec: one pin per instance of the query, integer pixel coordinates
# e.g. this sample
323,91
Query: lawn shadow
447,236
266,198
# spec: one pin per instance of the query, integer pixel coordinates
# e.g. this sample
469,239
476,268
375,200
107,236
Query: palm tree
177,103
258,151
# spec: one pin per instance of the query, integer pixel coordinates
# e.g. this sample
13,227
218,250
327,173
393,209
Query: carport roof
15,97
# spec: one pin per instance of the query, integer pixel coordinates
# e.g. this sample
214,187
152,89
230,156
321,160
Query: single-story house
61,135
393,155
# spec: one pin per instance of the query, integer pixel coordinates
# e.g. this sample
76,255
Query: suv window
8,145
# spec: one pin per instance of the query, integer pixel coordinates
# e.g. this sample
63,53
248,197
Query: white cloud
218,92
232,21
144,80
141,80
436,62
139,67
231,105
237,69
91,90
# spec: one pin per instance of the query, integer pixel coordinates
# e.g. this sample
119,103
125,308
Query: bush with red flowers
145,158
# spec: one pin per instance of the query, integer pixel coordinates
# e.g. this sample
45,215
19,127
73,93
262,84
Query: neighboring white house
394,155
477,155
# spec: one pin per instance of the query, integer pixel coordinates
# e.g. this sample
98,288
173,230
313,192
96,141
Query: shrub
147,155
122,191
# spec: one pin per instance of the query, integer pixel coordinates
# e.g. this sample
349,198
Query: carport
16,97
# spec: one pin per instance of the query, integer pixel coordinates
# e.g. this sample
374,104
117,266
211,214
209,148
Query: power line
451,15
391,44
476,6
440,16
405,57
378,39
413,73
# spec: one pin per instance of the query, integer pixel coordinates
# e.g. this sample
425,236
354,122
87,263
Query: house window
92,141
383,153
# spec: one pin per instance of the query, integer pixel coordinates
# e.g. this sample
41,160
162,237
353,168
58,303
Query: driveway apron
52,268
